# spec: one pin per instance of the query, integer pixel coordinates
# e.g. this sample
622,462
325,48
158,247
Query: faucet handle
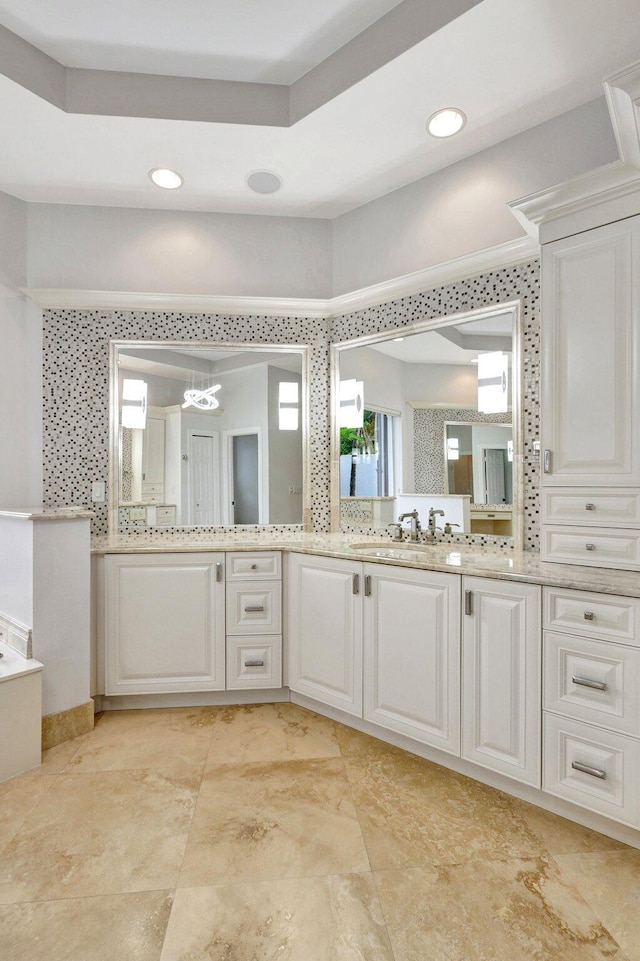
447,527
397,536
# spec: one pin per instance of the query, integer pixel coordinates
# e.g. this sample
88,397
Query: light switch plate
97,492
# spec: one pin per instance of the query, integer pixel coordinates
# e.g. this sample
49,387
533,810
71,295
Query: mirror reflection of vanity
431,435
207,435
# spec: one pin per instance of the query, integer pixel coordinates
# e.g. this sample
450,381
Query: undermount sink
435,552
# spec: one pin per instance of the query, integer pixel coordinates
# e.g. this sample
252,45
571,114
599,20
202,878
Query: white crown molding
609,193
493,258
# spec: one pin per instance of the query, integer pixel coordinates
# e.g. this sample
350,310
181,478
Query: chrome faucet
415,524
431,527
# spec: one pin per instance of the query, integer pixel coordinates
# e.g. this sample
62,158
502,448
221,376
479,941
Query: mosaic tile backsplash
76,392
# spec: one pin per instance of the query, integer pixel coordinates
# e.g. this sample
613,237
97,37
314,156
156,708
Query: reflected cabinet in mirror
427,417
207,435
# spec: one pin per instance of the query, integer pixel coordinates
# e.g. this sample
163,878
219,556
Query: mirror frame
512,307
114,421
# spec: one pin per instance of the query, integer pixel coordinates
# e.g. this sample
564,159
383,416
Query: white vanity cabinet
394,628
325,630
501,677
592,701
412,653
591,397
254,620
165,623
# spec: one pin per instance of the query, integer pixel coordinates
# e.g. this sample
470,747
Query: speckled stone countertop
524,567
47,513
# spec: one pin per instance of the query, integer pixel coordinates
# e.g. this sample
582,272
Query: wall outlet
98,492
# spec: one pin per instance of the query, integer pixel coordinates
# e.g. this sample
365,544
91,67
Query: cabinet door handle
254,609
589,507
546,462
590,547
589,616
218,571
587,769
468,602
367,585
587,682
254,663
356,584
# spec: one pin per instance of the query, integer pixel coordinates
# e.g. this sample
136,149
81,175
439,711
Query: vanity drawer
590,614
593,681
242,565
591,507
595,769
254,608
165,516
591,547
254,662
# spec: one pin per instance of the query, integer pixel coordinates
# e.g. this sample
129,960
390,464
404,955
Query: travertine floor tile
520,910
610,884
102,833
271,732
356,744
56,759
561,836
18,798
279,820
413,812
118,927
170,740
309,919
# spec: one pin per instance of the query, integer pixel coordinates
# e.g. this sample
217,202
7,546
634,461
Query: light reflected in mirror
428,437
217,438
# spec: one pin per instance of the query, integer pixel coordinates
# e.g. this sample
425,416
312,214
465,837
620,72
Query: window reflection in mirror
207,435
431,435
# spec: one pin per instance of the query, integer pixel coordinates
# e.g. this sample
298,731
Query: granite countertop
48,513
519,566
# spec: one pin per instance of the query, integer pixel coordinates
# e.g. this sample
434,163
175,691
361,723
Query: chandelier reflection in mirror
202,399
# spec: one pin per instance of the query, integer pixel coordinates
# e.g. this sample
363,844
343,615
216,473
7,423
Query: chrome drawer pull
468,602
587,682
367,585
254,663
355,587
256,609
593,771
546,462
218,571
589,507
589,616
254,567
590,547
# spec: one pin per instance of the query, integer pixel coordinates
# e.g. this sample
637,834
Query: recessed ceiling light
264,182
168,179
446,122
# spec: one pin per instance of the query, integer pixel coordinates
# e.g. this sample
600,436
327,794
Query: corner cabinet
591,397
378,642
165,616
501,701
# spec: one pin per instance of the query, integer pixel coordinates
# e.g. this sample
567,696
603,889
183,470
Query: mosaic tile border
75,380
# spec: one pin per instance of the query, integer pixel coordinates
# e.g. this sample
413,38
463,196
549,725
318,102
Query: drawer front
591,547
593,681
243,565
152,498
165,516
254,662
589,614
148,487
596,769
591,507
254,608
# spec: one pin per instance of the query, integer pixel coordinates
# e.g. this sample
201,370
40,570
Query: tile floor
268,833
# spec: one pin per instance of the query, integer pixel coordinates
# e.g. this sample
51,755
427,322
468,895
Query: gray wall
20,366
463,208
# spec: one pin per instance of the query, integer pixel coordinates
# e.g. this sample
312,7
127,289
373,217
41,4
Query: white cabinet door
412,653
501,677
165,629
591,357
325,630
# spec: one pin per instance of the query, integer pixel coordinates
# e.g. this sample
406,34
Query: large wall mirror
207,435
430,416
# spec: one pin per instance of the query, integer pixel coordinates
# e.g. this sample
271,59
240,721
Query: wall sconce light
351,403
288,405
202,399
134,404
493,380
453,448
